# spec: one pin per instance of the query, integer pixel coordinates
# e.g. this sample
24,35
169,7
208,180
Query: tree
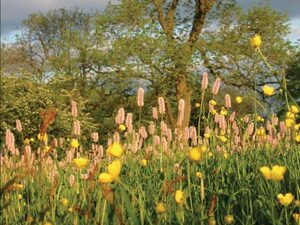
166,42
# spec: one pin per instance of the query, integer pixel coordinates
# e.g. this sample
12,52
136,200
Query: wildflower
238,99
197,105
207,135
122,127
74,143
266,172
260,132
297,203
255,41
42,137
144,162
294,109
290,115
286,199
297,138
114,168
160,208
213,112
195,154
259,119
199,175
223,111
47,149
213,102
296,217
32,140
105,178
18,186
225,154
115,150
47,223
70,209
297,126
20,196
216,86
179,197
289,122
64,202
222,138
276,173
268,90
229,219
26,141
80,162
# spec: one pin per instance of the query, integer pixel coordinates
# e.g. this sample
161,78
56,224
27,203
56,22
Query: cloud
14,11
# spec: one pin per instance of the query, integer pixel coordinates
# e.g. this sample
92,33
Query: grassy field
228,170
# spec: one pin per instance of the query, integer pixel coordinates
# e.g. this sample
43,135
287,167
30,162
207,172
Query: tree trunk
183,91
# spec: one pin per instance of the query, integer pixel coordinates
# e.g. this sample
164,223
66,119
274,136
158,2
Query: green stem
103,213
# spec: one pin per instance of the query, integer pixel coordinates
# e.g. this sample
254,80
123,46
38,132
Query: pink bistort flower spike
18,126
216,86
140,97
74,108
204,83
227,101
161,105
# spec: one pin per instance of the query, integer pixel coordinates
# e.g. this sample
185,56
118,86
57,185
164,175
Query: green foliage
24,98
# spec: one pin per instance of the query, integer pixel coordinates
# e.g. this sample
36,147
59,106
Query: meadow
225,170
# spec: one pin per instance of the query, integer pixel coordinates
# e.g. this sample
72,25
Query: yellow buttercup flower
105,178
20,196
222,138
160,208
286,199
213,112
195,154
266,172
276,173
238,99
297,138
255,41
80,162
294,109
64,202
26,141
296,217
18,186
179,197
122,127
297,126
74,143
115,150
229,219
290,115
289,122
199,175
198,105
32,140
268,90
114,168
42,137
223,111
213,102
207,135
259,119
261,132
144,162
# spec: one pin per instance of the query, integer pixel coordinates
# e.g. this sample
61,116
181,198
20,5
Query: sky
14,11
